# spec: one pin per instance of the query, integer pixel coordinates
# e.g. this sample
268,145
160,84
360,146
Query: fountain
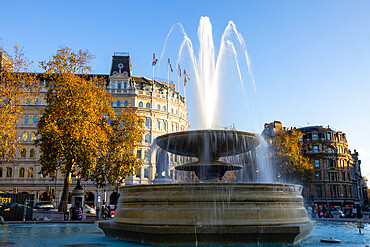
209,211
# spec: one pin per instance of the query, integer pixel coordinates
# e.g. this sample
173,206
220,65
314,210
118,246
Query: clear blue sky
311,59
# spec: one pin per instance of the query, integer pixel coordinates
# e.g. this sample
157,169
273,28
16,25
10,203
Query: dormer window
114,72
120,65
314,137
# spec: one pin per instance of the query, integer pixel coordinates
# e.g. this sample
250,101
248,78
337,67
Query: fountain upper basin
217,143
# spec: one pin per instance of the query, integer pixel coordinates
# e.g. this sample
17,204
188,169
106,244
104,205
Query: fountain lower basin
210,213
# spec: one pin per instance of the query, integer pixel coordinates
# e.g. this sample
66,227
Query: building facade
337,180
162,107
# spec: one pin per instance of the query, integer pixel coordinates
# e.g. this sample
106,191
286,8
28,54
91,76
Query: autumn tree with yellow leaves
290,164
75,135
121,159
17,86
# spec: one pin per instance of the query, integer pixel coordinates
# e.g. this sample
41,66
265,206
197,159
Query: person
78,212
73,213
324,211
105,212
354,212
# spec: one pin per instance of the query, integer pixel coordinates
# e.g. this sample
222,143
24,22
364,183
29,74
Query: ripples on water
73,235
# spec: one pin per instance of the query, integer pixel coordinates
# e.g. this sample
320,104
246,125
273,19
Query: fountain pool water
64,235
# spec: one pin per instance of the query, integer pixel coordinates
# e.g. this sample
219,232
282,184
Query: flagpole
168,94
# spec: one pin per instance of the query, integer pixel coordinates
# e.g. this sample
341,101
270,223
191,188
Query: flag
184,80
186,75
169,62
154,59
179,69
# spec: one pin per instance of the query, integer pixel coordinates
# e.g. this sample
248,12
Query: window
33,136
28,102
34,120
314,137
317,163
147,138
30,172
319,191
138,174
125,85
345,191
147,122
9,172
26,120
111,103
23,153
172,110
329,150
343,176
138,153
25,136
147,105
158,124
164,125
140,104
112,84
147,155
158,107
37,102
330,163
118,103
146,172
163,108
329,136
32,153
1,172
119,85
315,149
126,103
318,176
21,172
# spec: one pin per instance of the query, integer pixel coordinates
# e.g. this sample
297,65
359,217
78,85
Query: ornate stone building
337,180
162,107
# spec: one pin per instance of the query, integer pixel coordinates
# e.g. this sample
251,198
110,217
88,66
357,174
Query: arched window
112,85
37,102
140,104
111,103
30,172
34,120
25,136
26,120
163,108
33,136
158,124
158,107
21,172
147,138
125,85
119,85
164,125
147,122
28,102
126,103
118,103
147,105
23,153
32,153
9,172
329,150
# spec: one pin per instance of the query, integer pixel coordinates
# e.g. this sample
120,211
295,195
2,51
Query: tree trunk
65,194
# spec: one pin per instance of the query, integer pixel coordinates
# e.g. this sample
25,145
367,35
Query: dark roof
314,128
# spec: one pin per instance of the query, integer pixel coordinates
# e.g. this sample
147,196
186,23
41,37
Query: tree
121,160
291,165
73,131
17,86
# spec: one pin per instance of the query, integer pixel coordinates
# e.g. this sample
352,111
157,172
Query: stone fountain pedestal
210,213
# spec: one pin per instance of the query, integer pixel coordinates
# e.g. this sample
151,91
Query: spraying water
208,67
